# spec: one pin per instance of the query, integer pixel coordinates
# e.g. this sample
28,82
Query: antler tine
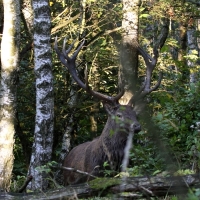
146,88
121,86
60,55
144,54
56,46
69,62
86,79
119,95
78,49
65,52
143,91
99,95
158,82
135,97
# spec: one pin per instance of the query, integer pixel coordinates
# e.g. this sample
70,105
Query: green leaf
144,16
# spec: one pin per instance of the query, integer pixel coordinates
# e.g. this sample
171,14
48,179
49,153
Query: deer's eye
119,115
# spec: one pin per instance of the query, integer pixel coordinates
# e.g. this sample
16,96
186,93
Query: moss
103,183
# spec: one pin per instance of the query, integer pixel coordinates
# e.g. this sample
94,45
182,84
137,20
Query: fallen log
133,187
159,186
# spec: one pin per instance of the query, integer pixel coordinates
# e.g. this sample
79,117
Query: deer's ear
110,109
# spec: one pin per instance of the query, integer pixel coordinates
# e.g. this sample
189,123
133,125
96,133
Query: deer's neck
113,134
113,143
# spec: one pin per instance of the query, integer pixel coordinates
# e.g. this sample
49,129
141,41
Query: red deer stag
90,156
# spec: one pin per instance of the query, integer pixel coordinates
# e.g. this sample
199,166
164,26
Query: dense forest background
169,142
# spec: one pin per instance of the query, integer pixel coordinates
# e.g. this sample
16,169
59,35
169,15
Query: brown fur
109,146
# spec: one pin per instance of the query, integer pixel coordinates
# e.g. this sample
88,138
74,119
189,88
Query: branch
75,170
27,181
54,30
25,49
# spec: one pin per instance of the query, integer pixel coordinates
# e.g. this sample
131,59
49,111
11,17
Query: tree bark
191,48
129,56
28,15
1,16
135,188
9,68
43,136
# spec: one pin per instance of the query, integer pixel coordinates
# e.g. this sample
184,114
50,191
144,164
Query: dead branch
77,171
27,181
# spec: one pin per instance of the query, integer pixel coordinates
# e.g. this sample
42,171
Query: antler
69,62
146,87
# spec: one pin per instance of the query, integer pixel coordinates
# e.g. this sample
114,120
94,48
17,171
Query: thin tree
43,136
128,55
9,67
192,51
1,16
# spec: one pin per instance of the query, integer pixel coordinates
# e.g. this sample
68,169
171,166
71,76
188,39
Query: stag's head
122,118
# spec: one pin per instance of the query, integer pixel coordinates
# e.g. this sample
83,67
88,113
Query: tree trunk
182,35
192,49
43,136
129,57
1,16
28,15
198,37
9,68
68,132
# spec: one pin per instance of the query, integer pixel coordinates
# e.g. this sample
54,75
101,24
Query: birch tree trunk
9,68
129,57
43,136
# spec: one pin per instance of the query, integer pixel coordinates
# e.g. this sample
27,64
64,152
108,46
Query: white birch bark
129,57
9,67
43,136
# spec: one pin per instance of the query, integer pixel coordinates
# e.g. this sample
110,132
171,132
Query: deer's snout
136,127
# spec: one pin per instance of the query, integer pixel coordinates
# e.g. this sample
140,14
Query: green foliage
48,170
17,183
177,120
144,158
183,172
193,194
106,170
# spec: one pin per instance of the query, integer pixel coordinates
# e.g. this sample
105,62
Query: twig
146,190
27,181
77,171
127,151
129,145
